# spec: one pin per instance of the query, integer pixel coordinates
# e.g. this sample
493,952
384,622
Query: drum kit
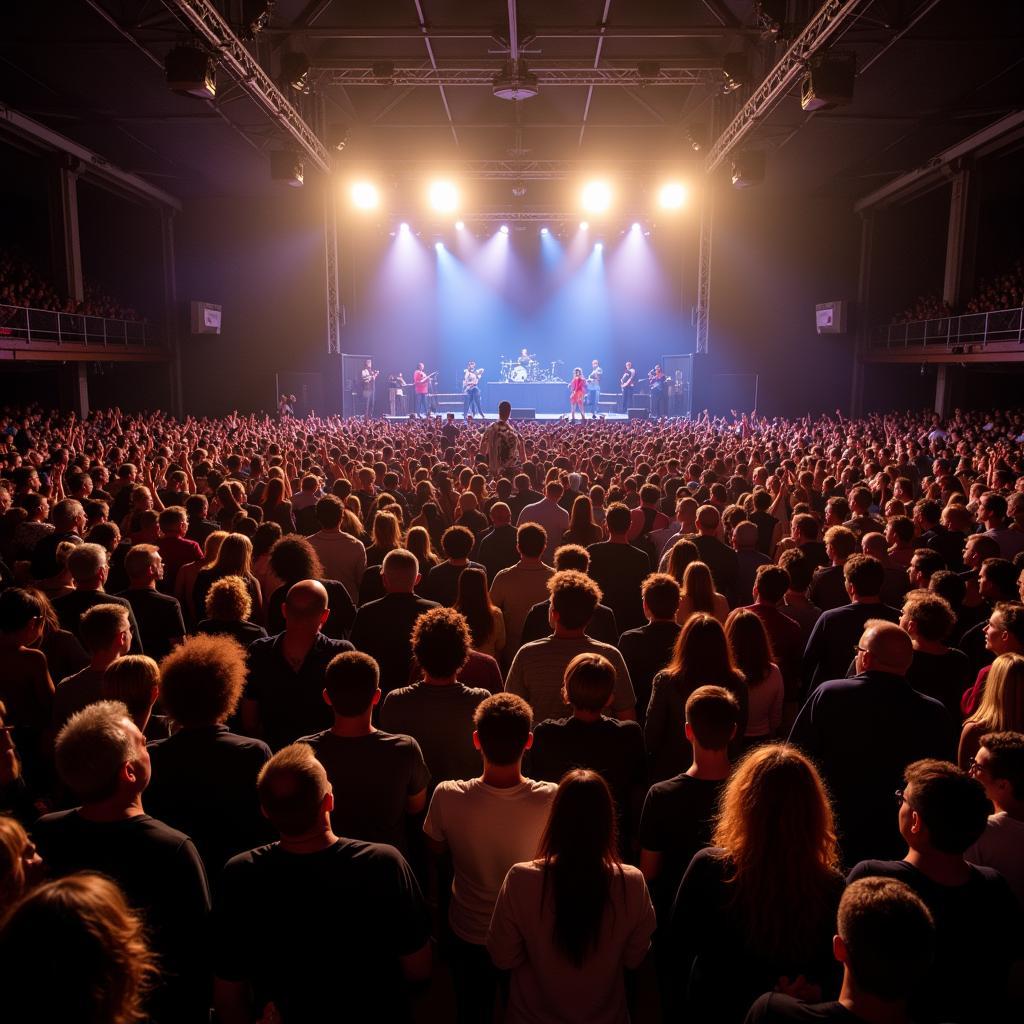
530,371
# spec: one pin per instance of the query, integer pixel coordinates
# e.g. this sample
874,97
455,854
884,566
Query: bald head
501,514
874,544
889,648
306,602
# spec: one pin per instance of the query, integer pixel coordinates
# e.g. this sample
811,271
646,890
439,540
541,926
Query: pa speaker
748,168
829,80
637,414
286,167
523,414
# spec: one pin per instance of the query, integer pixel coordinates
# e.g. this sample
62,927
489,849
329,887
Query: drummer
525,358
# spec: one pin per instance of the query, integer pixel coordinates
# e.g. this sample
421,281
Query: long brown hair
581,520
701,656
748,641
776,830
579,851
682,554
474,602
699,587
235,556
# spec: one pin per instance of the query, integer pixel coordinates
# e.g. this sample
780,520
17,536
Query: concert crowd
709,720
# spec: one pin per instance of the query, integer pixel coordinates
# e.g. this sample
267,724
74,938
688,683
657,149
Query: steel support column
863,312
80,388
67,249
172,317
704,266
332,290
956,237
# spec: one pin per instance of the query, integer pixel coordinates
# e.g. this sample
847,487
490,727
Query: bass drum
518,375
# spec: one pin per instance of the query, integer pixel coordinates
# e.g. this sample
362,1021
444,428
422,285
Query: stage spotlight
599,246
504,229
596,196
404,228
636,225
584,225
459,225
444,196
365,196
672,195
544,231
439,246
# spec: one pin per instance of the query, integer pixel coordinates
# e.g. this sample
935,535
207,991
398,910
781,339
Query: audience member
518,588
1001,708
158,615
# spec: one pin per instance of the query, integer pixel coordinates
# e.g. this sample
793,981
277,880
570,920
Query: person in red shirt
577,394
175,549
421,384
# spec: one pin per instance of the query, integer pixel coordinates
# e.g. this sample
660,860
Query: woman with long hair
265,537
698,594
417,540
583,530
752,653
185,584
293,559
21,867
1001,708
74,950
276,506
570,922
234,558
485,620
759,906
577,394
228,505
387,536
701,657
64,652
26,687
681,554
431,519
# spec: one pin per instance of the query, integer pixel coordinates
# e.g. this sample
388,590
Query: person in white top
569,922
342,555
549,514
999,767
518,588
487,824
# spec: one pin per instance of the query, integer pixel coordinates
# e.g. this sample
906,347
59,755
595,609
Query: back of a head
589,682
291,788
806,526
531,539
948,585
874,544
771,583
682,554
708,519
86,562
503,722
18,608
329,510
351,680
202,679
132,679
572,556
500,513
952,805
889,936
660,594
1006,759
574,596
617,518
1002,702
74,950
305,603
441,642
744,535
228,600
293,558
841,540
932,615
92,748
865,574
891,648
701,653
457,542
400,569
100,626
713,715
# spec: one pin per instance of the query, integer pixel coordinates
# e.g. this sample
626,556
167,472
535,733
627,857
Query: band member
399,383
525,358
594,386
286,406
577,394
471,389
421,384
659,391
368,376
627,382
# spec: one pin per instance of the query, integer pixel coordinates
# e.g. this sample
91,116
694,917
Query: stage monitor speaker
829,80
748,168
523,414
638,414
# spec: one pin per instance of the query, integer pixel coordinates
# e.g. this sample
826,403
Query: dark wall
263,261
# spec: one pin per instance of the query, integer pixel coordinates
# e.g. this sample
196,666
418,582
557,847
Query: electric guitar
472,379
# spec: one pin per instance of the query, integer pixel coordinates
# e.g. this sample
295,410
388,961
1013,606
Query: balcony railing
73,328
948,332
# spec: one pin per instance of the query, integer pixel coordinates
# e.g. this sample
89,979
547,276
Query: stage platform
545,416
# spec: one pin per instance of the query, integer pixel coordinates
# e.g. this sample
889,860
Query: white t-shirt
487,830
1001,846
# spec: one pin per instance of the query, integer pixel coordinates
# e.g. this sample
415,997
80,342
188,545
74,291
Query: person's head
68,516
504,410
87,564
295,793
884,647
400,571
457,543
978,548
202,679
502,724
474,602
441,642
572,556
776,829
74,950
999,767
21,867
1002,702
352,684
553,490
660,595
1004,633
588,683
840,543
134,680
804,528
927,616
306,607
701,655
699,587
173,521
228,600
21,615
949,586
579,849
751,649
771,583
997,580
708,520
143,565
234,556
942,809
582,515
885,938
386,531
329,510
924,563
682,554
618,519
744,536
531,539
293,558
574,596
101,755
105,630
992,509
864,577
712,718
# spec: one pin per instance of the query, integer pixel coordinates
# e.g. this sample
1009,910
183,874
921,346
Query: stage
539,417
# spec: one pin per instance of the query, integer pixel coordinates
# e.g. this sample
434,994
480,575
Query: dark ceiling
930,72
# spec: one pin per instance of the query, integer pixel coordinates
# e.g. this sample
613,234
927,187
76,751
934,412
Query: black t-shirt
159,619
776,1008
602,626
619,569
441,584
338,623
291,703
942,676
160,873
979,932
382,629
244,632
320,934
676,822
372,777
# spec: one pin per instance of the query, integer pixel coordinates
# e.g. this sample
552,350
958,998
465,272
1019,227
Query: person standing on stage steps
471,389
368,376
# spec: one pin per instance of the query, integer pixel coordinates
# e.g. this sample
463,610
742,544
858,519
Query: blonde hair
1002,703
228,600
132,680
13,840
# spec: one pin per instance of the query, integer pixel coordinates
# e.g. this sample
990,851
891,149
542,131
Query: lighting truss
532,170
365,74
240,64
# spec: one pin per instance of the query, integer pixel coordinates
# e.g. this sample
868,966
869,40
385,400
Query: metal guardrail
73,328
1002,325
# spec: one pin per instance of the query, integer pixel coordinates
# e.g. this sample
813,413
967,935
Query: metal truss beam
521,170
333,291
352,74
539,32
242,66
833,16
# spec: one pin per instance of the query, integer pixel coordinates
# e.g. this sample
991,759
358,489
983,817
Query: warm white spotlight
584,225
403,227
636,226
459,225
439,246
599,246
596,196
365,195
504,229
444,196
672,195
544,231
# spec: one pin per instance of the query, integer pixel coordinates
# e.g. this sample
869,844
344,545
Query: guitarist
421,385
471,378
627,382
368,376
